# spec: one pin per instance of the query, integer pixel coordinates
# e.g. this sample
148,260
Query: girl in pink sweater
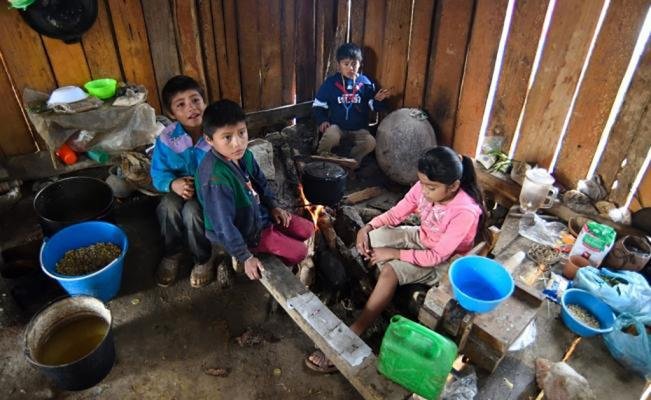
450,206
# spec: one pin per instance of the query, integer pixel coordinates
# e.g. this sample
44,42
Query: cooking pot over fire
324,183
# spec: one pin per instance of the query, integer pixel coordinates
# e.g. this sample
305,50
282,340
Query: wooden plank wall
439,55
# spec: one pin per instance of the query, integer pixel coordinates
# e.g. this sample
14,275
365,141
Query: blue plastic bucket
103,284
591,303
479,284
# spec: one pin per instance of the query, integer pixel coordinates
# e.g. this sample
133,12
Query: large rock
263,152
401,138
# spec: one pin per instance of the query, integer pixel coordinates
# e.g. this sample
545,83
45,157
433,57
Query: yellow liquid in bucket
72,341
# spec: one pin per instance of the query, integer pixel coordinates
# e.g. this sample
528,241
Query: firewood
363,195
327,230
350,163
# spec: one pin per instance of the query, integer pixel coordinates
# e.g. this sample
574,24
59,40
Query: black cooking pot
324,183
72,200
61,19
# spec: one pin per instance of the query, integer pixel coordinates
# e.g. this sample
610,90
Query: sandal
202,274
321,365
225,274
167,270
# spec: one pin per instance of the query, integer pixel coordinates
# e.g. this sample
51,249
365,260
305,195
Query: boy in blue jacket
343,103
179,150
240,209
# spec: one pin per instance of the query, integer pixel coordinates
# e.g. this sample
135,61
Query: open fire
315,210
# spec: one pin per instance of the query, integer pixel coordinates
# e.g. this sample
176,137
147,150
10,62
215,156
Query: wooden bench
288,290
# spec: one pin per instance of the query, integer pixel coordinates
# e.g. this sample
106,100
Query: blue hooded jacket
346,103
175,156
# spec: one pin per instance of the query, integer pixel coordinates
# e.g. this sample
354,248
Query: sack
624,291
632,351
630,252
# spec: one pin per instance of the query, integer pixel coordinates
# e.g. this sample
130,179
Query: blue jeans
181,222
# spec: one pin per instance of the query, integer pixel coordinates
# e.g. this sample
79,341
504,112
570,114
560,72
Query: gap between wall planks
629,139
224,17
447,57
421,33
517,63
99,47
480,62
396,47
133,46
566,46
610,58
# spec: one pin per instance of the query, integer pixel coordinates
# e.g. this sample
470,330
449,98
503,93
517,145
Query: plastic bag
624,291
632,351
463,388
537,229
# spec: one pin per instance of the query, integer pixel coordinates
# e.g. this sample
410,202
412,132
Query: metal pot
324,183
72,200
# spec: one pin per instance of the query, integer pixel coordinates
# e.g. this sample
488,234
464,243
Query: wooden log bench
328,332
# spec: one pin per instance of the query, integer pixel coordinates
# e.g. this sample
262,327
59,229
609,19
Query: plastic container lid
540,175
65,95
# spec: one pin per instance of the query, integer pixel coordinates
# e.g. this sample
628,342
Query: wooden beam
99,47
419,53
511,191
257,120
288,41
453,19
608,63
519,53
133,45
209,58
629,138
570,32
224,17
271,74
480,61
283,285
160,28
396,47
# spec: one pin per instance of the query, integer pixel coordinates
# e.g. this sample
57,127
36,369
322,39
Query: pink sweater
445,229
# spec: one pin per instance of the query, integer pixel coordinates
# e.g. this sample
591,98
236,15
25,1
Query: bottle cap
98,155
66,154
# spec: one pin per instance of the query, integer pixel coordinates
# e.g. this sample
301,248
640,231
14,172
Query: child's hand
184,187
253,268
382,94
281,217
384,254
362,242
324,125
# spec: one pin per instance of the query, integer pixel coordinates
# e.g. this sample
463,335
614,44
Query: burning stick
306,267
324,223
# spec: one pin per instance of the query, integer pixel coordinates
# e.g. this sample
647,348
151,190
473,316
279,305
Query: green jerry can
416,357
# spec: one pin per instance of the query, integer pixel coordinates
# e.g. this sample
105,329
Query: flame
314,209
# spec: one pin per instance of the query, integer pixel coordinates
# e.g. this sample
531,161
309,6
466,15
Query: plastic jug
416,357
537,190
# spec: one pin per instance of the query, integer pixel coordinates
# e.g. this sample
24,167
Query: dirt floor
167,338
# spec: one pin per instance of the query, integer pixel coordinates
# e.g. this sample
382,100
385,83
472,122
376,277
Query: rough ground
166,337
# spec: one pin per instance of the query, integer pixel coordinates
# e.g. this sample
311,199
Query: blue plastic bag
624,291
634,352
